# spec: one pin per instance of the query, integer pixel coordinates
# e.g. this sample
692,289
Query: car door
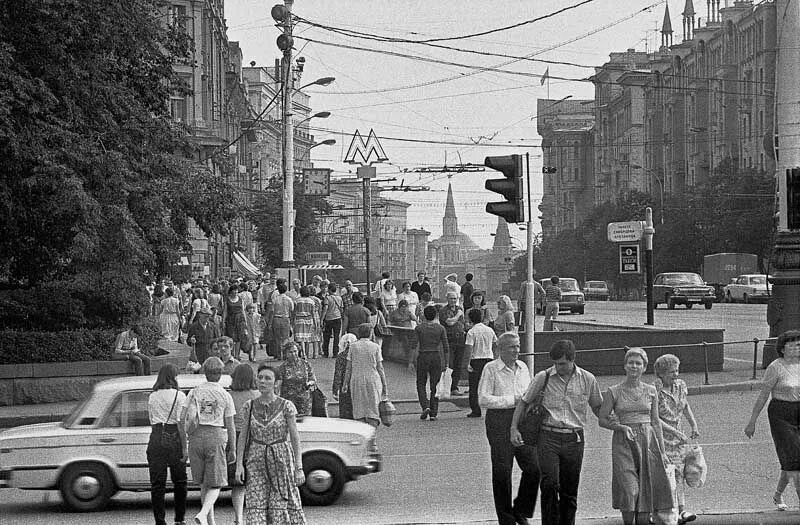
738,290
123,434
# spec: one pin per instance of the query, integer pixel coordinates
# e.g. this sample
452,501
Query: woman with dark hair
295,378
243,389
164,407
158,295
198,302
269,451
479,303
365,378
171,315
340,367
233,320
782,381
280,318
215,297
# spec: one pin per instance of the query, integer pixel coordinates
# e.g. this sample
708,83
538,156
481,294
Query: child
254,329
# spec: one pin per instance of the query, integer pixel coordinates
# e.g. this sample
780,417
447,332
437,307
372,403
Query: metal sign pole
649,231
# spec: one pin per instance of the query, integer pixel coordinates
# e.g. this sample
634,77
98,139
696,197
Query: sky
431,106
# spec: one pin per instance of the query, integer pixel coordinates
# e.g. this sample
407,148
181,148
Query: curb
743,386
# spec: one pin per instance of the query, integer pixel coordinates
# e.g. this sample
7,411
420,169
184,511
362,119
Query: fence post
705,361
755,356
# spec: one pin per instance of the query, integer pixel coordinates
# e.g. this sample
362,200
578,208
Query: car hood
38,430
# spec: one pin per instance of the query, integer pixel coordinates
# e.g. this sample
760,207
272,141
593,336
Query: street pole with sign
649,231
634,231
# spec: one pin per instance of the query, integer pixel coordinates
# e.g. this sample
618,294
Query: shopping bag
387,411
694,466
319,403
445,382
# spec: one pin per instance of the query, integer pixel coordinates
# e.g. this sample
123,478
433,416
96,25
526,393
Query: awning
243,265
322,267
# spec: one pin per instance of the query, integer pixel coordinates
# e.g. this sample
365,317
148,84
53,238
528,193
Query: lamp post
660,188
320,114
288,154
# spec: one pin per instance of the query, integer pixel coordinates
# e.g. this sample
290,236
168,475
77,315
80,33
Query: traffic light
793,198
549,169
510,187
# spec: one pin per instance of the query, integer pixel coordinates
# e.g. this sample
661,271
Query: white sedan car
100,448
748,288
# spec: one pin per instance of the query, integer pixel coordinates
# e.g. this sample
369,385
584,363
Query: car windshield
759,279
682,278
568,285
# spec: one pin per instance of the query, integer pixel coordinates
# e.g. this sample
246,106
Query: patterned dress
294,378
345,400
235,324
304,330
365,382
271,496
671,404
170,318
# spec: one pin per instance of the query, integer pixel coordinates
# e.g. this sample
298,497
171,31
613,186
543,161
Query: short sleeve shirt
213,402
566,401
481,338
159,404
785,380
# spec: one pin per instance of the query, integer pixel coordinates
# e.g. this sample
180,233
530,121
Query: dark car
597,290
571,296
682,288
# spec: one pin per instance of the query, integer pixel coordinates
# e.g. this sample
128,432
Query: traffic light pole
783,309
530,289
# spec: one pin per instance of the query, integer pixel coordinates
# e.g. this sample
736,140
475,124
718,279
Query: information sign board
625,231
629,258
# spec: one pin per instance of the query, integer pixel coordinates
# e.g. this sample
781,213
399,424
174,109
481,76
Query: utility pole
367,173
783,309
285,44
530,289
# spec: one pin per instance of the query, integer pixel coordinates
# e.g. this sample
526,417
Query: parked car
596,290
751,287
100,448
682,288
572,298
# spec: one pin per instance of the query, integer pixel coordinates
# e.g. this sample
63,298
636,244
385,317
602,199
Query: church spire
450,222
666,29
688,20
502,239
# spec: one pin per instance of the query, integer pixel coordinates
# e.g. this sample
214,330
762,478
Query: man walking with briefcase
568,391
502,385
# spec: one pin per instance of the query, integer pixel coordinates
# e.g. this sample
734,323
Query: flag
546,76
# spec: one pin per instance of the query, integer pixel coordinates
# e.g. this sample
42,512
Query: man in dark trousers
201,333
503,383
467,289
451,316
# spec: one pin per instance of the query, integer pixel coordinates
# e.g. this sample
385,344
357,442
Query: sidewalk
402,391
732,518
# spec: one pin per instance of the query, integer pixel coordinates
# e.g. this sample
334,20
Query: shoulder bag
170,440
530,424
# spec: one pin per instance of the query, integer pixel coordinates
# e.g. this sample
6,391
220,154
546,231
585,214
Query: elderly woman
640,484
171,316
295,378
305,322
673,406
505,316
782,382
364,377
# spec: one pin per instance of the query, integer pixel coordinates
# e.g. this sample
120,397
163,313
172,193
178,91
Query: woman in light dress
640,481
171,315
365,378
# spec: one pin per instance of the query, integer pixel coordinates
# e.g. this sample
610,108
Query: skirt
784,424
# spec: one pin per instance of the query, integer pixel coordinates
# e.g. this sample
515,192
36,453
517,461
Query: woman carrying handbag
167,439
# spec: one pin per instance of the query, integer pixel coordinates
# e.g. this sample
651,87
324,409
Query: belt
561,430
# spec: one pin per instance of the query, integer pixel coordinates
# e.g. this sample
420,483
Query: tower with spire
498,266
688,20
666,31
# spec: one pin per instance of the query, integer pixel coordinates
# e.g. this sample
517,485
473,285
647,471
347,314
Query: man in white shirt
502,385
478,347
411,298
451,286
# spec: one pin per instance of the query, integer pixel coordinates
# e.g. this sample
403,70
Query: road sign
318,257
629,258
366,172
625,231
361,152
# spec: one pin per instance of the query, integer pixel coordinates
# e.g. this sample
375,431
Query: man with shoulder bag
566,392
503,383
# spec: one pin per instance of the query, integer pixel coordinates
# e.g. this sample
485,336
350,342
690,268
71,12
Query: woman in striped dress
304,330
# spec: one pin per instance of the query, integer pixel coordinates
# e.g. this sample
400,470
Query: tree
92,173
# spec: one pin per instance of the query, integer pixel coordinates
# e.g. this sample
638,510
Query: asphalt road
438,472
741,322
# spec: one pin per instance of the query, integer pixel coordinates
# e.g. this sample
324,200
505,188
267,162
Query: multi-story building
665,120
567,128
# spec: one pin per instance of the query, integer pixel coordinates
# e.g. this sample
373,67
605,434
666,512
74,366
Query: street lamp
321,114
660,187
288,154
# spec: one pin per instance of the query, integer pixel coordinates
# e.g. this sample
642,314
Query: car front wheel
689,306
728,298
709,305
670,303
745,299
86,486
325,479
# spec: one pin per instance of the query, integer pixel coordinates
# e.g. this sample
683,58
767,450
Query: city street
439,473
